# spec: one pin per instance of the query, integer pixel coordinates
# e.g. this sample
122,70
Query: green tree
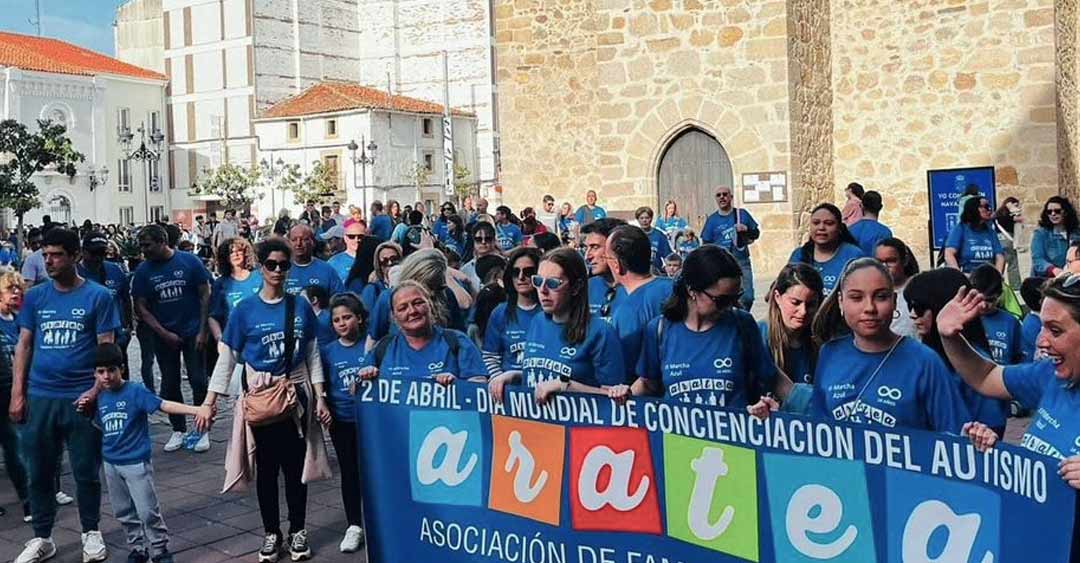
463,184
26,153
320,186
419,175
236,186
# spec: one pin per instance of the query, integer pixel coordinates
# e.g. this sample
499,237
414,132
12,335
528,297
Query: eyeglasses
483,240
354,237
527,272
551,284
391,261
609,300
724,301
277,266
1054,211
723,194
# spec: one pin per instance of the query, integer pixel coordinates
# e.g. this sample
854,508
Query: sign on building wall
764,187
448,155
946,187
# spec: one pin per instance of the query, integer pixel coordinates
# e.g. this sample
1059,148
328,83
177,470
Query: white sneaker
93,547
354,538
63,499
203,445
176,441
37,549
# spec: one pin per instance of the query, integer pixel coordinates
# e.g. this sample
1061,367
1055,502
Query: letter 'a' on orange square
527,468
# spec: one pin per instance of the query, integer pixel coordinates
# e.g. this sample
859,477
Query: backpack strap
290,331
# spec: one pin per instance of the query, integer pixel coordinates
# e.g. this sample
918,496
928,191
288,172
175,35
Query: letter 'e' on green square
712,498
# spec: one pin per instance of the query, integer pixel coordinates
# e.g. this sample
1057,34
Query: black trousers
343,435
280,449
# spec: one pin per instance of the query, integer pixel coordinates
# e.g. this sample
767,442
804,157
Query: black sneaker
138,557
299,550
270,548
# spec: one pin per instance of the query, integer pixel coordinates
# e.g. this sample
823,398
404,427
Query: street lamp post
366,157
143,154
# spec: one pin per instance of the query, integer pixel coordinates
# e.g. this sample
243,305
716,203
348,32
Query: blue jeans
747,300
135,503
51,424
168,360
13,461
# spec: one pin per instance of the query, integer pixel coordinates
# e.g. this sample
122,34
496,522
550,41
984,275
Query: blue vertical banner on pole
945,188
449,476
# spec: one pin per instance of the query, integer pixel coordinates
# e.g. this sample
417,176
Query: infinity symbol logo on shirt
889,392
179,273
720,363
434,366
78,312
568,351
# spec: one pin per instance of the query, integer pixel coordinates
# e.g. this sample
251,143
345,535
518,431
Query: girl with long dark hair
1058,228
902,266
829,246
504,335
973,241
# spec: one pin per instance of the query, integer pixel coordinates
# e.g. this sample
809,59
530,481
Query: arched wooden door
692,166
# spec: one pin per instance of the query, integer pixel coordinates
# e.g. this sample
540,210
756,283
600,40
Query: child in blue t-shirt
121,415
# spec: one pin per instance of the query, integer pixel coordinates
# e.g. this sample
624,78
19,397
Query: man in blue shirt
507,235
172,296
733,230
589,212
868,231
630,265
308,270
658,241
60,325
94,267
342,262
381,224
604,293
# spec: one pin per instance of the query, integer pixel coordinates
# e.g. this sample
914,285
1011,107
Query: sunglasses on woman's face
527,272
725,300
483,239
277,265
551,284
1054,211
389,261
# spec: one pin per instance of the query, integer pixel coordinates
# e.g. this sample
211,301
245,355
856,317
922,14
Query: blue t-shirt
596,361
973,248
660,247
601,294
341,366
341,262
317,273
1029,331
869,233
65,326
171,291
1055,428
635,311
1005,336
324,331
381,226
720,230
458,246
9,337
707,368
440,228
116,281
370,294
671,226
256,331
381,321
800,361
122,417
227,292
582,216
507,236
913,388
688,246
567,225
400,360
505,338
831,269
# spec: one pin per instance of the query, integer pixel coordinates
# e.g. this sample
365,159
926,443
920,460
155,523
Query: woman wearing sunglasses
566,348
973,241
504,335
927,294
829,247
387,255
1049,387
703,349
255,335
866,373
1058,227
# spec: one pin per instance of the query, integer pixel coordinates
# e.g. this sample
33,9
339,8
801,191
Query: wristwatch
565,380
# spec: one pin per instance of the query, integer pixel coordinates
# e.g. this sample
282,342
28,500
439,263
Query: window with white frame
331,128
123,175
156,213
429,161
293,131
123,120
155,179
127,216
428,127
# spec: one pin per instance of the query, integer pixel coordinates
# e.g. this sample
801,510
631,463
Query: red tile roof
332,96
52,55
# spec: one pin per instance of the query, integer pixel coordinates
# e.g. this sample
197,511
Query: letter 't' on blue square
819,509
933,519
446,457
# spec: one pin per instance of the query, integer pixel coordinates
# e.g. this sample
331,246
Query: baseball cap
336,231
95,239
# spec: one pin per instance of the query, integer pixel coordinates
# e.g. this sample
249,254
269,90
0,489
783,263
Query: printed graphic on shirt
872,406
60,334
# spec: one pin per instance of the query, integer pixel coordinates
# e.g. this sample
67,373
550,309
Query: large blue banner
449,476
946,187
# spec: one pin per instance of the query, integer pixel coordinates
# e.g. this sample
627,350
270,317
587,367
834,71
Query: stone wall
926,84
1067,74
592,92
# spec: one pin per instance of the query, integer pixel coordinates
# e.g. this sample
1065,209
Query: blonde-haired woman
421,349
12,287
387,255
669,222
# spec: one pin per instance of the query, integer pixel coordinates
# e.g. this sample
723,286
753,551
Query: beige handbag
276,401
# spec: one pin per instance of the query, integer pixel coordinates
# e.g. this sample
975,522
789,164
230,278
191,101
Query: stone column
810,73
1066,74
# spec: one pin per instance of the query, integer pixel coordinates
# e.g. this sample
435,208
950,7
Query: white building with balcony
338,123
101,101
